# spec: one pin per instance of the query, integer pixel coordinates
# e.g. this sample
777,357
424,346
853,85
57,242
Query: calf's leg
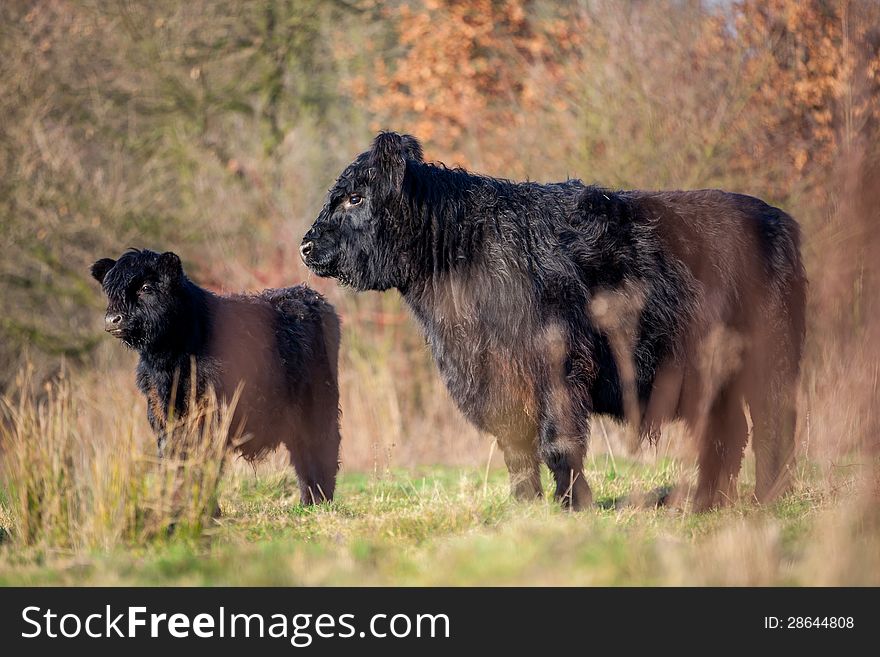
314,454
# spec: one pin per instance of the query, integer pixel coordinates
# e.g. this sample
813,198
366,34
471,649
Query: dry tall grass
71,477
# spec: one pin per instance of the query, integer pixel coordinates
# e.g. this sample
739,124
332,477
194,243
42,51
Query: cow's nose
305,249
112,321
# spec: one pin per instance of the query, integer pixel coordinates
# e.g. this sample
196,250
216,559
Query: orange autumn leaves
465,66
803,78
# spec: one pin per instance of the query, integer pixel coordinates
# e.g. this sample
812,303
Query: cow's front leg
563,433
564,455
521,459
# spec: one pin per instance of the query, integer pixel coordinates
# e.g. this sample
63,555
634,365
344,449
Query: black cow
280,346
546,303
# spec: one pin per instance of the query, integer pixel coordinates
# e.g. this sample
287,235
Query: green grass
449,526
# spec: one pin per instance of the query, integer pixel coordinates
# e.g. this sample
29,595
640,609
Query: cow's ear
412,149
100,268
389,154
169,265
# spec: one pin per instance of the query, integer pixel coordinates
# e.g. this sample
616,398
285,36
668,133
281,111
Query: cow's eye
146,288
355,199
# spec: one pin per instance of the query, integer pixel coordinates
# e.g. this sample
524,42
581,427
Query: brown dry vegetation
214,128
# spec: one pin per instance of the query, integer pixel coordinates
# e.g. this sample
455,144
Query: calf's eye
146,288
354,199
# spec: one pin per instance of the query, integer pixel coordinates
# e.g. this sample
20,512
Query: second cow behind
280,345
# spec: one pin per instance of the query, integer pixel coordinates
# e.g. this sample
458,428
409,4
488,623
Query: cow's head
360,236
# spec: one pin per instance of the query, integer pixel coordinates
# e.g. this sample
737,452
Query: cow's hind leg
772,407
721,448
771,395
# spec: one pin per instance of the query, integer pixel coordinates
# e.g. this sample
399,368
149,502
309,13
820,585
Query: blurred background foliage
214,128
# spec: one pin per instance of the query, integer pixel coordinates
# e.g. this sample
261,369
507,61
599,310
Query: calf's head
361,236
143,291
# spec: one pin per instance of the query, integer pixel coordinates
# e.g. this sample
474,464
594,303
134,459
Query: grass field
457,526
420,501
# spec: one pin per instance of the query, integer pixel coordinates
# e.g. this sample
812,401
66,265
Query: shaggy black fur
282,345
546,303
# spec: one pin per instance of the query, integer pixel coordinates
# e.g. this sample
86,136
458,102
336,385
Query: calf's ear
169,265
100,268
389,154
